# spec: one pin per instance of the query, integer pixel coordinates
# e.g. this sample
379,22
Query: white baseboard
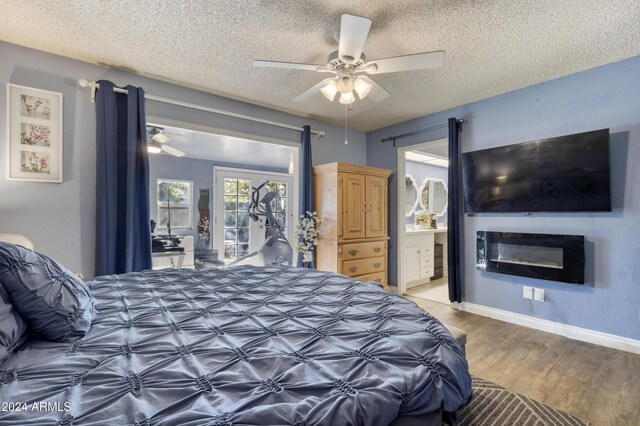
572,332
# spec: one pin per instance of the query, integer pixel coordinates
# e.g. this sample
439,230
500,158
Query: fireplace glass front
544,256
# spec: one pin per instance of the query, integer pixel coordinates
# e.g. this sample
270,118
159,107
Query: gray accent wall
60,218
603,97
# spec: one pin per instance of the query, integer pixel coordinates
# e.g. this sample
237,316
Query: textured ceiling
492,46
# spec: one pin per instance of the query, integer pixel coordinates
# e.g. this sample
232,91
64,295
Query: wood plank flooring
436,291
598,384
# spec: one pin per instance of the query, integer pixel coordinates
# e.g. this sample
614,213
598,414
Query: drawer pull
353,269
376,249
376,265
353,252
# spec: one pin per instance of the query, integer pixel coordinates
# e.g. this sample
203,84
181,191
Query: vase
204,231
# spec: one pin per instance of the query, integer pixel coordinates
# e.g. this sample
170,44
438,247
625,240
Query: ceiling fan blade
311,92
353,34
173,151
377,93
290,65
419,61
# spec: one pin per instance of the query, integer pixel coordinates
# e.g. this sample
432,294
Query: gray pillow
13,330
54,302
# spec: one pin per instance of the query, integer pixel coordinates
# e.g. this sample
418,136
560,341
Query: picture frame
34,134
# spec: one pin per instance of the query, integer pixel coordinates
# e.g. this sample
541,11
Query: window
174,202
236,218
279,204
237,224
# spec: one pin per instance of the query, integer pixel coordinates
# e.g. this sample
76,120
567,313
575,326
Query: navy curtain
306,182
123,234
454,214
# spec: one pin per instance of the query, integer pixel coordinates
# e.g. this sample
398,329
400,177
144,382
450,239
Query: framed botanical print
34,134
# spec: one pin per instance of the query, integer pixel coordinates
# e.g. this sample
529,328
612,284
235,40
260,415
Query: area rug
496,406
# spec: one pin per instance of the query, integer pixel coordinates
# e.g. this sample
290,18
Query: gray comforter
245,345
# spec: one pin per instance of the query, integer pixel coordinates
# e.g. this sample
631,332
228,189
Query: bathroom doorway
422,220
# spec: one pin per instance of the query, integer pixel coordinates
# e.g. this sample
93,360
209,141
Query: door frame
402,219
295,199
297,159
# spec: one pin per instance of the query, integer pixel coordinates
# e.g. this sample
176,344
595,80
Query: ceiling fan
349,66
157,142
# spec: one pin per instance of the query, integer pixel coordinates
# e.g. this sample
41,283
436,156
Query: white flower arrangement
203,228
307,232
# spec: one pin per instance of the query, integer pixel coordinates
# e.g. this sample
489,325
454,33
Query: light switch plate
538,294
527,292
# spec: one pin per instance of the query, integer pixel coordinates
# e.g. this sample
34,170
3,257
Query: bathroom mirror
433,196
410,195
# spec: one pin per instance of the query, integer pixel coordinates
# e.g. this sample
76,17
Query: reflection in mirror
424,195
433,196
410,196
439,197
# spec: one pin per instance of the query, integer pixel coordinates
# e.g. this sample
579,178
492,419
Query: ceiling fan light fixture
330,90
290,163
345,84
362,88
153,147
347,98
160,138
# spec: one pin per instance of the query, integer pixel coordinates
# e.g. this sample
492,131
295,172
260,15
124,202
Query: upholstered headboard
17,239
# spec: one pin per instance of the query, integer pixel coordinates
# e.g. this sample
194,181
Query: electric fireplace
543,256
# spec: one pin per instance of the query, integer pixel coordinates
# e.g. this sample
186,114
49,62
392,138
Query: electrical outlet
538,294
527,292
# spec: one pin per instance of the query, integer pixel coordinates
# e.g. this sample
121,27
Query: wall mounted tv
563,174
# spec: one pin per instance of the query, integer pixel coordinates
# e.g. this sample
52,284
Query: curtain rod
95,86
416,132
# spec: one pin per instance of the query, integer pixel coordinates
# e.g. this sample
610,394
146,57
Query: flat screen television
563,174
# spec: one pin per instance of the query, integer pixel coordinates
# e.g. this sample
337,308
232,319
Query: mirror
410,195
433,196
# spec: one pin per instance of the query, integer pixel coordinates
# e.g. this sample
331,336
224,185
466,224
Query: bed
243,345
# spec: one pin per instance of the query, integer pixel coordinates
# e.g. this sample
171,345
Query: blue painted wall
60,218
607,96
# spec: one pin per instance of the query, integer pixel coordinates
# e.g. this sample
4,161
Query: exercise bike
276,250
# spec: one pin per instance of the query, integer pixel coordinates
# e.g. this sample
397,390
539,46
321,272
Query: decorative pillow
13,330
54,302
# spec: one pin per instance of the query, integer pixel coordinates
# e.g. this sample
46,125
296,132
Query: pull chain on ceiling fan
348,65
346,110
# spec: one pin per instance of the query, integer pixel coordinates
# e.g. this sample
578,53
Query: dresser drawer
426,259
363,250
437,250
437,263
437,273
426,271
380,277
353,268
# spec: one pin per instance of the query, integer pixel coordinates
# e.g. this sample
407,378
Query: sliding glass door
235,234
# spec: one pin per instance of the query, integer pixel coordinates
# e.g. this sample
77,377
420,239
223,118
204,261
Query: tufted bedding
246,345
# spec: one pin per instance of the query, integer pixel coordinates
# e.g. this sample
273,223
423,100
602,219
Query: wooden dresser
351,201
